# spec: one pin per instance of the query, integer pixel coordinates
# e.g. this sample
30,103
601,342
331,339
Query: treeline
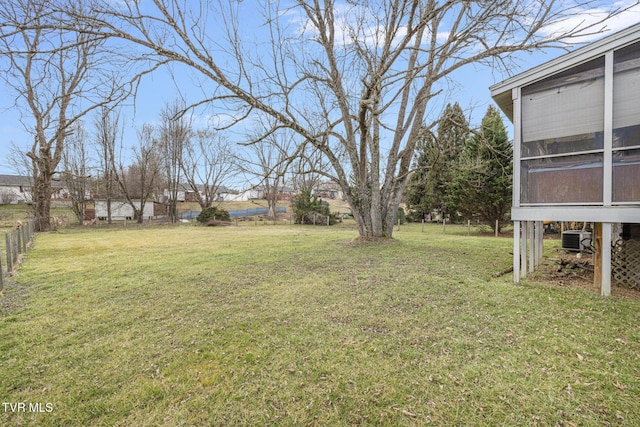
461,172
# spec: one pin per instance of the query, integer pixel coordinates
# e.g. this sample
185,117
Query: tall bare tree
137,180
175,133
352,78
58,76
268,160
309,169
107,134
75,170
207,164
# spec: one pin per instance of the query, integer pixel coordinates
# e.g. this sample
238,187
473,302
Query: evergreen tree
482,185
434,167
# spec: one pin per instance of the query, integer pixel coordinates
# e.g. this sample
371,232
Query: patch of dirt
570,270
12,297
217,223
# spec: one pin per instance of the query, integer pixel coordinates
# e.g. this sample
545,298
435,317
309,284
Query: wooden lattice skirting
625,263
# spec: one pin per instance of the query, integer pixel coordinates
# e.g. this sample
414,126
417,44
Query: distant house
17,189
244,195
329,190
180,195
121,210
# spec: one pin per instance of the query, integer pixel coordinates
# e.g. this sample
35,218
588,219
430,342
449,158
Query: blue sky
469,87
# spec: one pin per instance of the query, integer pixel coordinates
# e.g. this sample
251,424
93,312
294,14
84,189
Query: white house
17,189
576,145
243,196
121,209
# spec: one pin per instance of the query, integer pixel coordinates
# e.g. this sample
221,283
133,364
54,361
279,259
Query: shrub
309,209
401,216
213,213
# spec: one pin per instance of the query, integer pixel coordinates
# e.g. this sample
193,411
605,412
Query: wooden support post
532,245
602,257
523,249
516,251
607,231
597,256
539,241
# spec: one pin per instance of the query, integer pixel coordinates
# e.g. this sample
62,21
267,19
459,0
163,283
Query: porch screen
568,104
626,96
563,137
626,125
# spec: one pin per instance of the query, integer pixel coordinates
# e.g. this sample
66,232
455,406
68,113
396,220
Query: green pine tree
434,166
482,185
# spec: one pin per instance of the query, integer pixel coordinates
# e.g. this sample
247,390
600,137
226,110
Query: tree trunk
41,191
375,218
42,204
109,220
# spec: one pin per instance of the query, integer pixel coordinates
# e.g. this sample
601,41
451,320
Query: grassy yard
294,325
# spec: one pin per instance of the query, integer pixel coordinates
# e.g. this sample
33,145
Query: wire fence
17,243
236,213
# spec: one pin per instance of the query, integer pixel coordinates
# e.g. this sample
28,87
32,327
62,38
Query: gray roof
22,180
15,180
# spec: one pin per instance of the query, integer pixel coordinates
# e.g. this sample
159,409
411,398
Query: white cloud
352,22
594,19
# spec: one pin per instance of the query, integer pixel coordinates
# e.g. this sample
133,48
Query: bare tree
207,164
75,170
107,133
58,76
175,133
308,169
268,160
354,79
137,180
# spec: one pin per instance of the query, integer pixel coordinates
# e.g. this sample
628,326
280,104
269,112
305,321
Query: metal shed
576,145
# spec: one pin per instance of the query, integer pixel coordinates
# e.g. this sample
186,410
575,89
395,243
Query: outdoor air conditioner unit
576,240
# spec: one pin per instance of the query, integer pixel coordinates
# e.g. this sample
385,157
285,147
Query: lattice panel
625,263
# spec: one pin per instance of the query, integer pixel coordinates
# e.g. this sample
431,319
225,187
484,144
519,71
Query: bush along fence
17,242
236,213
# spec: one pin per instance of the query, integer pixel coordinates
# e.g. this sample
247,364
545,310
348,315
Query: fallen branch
503,272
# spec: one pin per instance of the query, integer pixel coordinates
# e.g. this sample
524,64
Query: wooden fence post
18,240
7,238
16,247
24,239
1,272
